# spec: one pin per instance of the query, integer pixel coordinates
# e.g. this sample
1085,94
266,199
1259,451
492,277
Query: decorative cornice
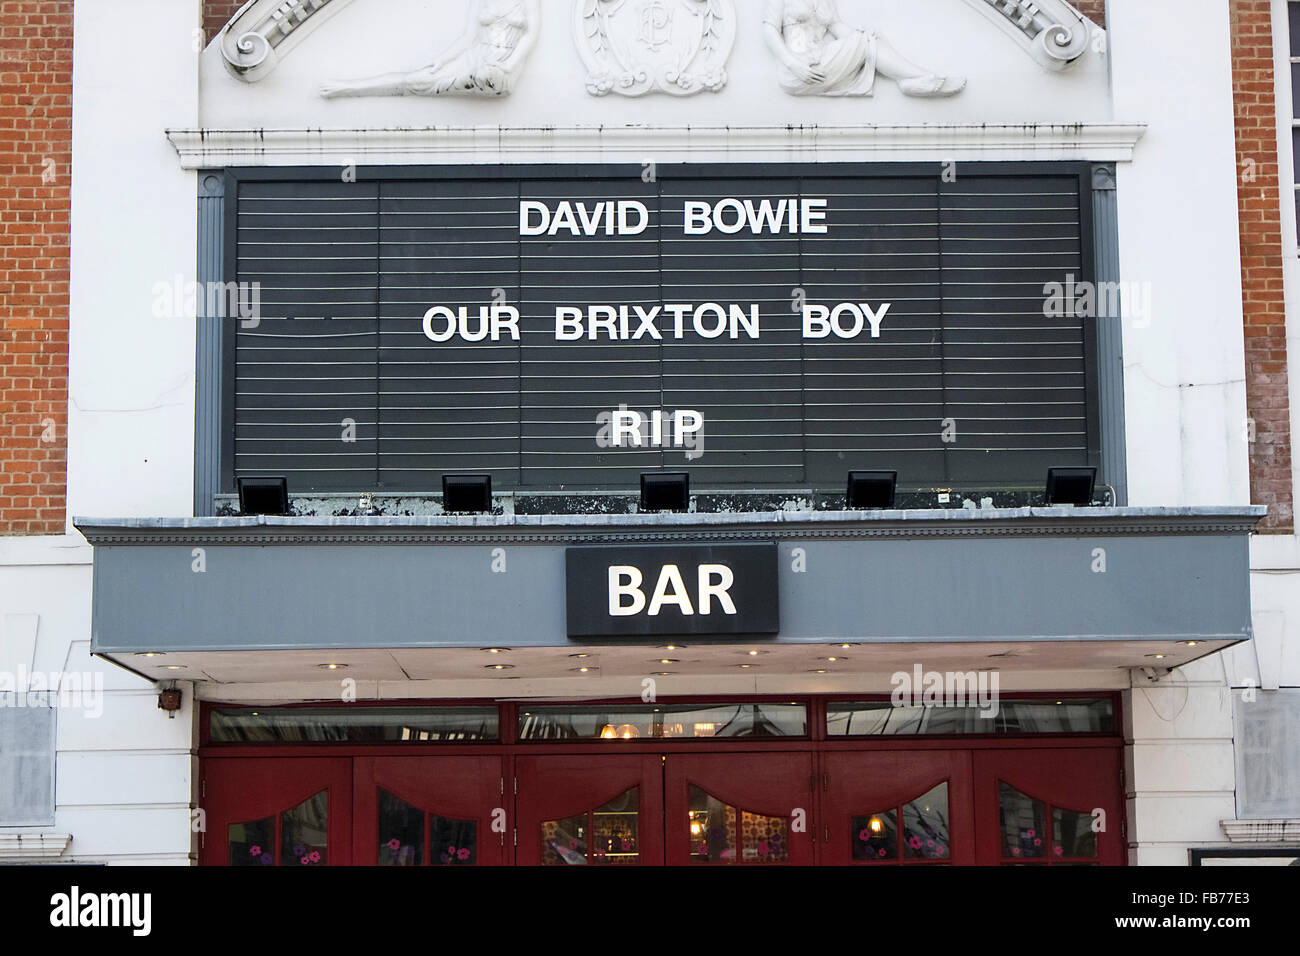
1261,831
33,846
217,148
612,529
1051,31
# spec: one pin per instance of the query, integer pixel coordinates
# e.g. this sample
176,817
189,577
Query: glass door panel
277,811
1049,807
592,810
429,811
897,807
746,809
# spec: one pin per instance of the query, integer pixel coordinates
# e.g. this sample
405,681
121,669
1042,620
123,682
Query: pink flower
255,850
1058,850
864,835
1029,833
394,844
881,852
627,845
1015,851
314,856
462,853
1038,841
915,842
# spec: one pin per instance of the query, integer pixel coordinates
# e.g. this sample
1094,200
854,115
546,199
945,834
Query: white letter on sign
444,313
708,590
526,208
816,322
617,589
670,575
696,218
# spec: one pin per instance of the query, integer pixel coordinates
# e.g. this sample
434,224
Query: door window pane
875,836
401,832
614,830
925,826
1023,823
565,841
303,832
763,839
1072,834
712,828
253,843
453,841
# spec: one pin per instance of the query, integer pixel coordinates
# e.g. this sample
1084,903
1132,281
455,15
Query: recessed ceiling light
746,665
496,650
818,672
582,670
846,646
498,667
833,659
174,667
332,667
667,660
579,655
1158,657
673,647
754,653
662,673
1189,643
151,654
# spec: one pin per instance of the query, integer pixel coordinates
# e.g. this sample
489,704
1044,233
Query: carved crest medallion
634,47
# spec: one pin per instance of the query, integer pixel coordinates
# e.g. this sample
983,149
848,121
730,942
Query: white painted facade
125,782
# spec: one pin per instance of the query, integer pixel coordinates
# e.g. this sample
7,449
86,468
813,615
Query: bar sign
672,589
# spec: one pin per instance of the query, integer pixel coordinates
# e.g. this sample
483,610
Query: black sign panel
672,589
735,292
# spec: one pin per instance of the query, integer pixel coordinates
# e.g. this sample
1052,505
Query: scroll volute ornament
1053,32
635,47
262,32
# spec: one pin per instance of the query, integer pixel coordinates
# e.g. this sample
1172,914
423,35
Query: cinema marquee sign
670,590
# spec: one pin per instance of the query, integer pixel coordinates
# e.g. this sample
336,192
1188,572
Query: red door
739,808
590,810
898,807
428,811
1048,807
277,811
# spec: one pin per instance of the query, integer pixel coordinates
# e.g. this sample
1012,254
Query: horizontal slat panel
347,270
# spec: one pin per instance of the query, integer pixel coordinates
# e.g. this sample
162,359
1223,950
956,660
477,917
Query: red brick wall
35,200
216,13
1259,206
1094,10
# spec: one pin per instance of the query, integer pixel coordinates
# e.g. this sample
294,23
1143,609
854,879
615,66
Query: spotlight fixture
871,489
496,650
666,491
263,494
467,493
332,667
1070,486
498,667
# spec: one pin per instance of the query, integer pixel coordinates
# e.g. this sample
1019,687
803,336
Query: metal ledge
778,525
